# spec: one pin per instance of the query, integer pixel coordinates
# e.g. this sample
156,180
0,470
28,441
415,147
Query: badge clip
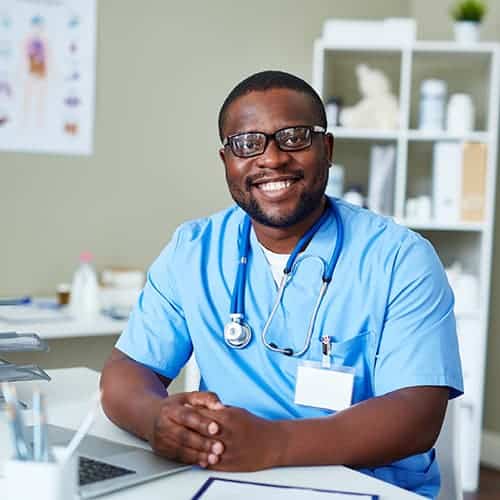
326,349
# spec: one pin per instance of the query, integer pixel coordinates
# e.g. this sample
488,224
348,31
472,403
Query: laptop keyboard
91,471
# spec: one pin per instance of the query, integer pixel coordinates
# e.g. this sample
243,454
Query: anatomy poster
47,75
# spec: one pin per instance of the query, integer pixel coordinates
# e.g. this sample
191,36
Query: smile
276,185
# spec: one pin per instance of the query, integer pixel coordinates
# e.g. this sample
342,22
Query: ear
329,143
222,155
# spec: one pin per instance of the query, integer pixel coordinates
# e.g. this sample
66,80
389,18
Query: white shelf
425,135
364,134
361,47
468,242
442,226
454,48
436,47
410,134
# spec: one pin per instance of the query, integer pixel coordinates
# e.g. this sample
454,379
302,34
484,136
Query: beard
308,202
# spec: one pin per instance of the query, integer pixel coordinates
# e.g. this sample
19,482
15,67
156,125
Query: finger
193,419
172,450
217,448
185,437
222,419
209,400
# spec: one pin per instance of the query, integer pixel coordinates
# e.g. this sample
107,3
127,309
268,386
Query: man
386,315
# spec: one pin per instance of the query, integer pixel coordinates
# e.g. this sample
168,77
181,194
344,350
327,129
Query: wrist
280,444
155,406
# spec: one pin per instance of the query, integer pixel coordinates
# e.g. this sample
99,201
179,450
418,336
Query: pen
16,422
46,452
83,429
37,426
15,301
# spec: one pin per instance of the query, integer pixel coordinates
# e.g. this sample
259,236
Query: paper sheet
226,489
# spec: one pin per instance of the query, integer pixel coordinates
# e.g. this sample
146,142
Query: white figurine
378,107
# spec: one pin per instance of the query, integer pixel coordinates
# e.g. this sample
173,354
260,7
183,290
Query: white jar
460,114
432,104
335,186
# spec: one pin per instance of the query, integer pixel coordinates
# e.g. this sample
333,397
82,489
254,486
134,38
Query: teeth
275,186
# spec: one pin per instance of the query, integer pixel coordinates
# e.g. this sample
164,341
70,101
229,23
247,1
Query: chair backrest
448,453
191,375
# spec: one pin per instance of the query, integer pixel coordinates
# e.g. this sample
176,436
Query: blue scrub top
388,309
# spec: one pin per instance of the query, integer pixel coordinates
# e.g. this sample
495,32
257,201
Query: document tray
21,342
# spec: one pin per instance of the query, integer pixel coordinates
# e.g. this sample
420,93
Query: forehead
269,110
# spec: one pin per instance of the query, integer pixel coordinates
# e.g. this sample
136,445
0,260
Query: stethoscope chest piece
237,334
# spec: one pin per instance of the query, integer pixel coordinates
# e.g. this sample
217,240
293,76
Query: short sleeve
156,334
418,343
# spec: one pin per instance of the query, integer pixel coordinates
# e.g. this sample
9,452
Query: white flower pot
466,31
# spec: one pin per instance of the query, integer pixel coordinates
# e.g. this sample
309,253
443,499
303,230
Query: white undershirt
277,262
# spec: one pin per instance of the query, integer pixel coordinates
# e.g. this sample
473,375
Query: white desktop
68,397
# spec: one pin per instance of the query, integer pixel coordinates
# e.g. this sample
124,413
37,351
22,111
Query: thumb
208,400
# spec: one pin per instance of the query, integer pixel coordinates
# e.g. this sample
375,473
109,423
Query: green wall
163,69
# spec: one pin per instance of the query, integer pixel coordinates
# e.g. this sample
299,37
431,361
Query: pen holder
42,480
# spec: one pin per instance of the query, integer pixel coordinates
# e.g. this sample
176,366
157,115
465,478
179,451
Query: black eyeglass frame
313,129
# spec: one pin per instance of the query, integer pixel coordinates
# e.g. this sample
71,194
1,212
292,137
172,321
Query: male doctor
350,359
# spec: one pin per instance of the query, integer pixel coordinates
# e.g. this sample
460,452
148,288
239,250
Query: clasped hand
196,428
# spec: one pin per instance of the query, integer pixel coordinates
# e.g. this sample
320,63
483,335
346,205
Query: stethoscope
237,333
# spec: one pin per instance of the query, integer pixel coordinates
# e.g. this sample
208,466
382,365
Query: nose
273,156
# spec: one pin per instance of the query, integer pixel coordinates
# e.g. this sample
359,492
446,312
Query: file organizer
20,342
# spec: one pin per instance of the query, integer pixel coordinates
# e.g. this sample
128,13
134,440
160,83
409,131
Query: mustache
252,179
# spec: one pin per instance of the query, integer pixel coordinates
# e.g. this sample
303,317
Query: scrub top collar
321,245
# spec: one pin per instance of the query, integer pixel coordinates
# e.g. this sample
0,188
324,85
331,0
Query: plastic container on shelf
335,186
432,104
84,302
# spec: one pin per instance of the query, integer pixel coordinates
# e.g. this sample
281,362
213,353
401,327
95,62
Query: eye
293,138
247,143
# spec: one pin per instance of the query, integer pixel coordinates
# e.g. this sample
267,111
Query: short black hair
267,80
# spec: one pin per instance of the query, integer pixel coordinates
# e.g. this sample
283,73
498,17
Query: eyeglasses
248,144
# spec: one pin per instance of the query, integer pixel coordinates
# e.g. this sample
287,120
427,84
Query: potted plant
468,15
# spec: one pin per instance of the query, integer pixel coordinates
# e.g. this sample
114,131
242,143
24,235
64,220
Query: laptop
106,466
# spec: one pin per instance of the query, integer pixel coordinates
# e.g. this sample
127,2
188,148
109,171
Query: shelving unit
474,69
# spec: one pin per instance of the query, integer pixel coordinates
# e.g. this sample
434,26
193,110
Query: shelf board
412,135
429,47
362,133
363,46
454,47
442,226
424,135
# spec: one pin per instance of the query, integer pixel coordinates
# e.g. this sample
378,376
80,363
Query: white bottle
335,186
432,104
84,302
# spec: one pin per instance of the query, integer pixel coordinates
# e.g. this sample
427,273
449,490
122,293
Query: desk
99,326
67,328
69,387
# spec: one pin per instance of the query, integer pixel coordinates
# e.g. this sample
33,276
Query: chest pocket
358,353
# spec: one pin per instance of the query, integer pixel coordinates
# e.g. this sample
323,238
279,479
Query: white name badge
329,388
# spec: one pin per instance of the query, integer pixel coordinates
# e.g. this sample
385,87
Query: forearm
372,433
131,394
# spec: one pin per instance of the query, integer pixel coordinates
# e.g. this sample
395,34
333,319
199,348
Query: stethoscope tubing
237,312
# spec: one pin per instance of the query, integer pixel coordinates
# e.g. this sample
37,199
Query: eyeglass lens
254,143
